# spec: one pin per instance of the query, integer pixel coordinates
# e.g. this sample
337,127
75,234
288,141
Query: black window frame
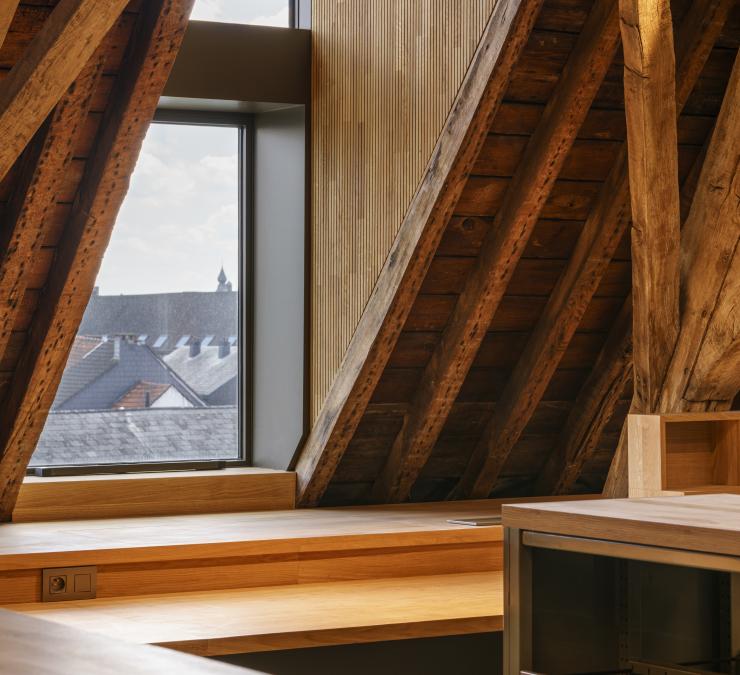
244,123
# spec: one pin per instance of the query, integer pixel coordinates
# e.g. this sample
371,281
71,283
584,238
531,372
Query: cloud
255,12
179,222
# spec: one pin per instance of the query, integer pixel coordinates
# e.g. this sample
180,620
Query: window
156,371
255,12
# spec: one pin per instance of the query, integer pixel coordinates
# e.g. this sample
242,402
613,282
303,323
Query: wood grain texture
7,12
708,523
131,495
683,453
54,59
710,273
385,77
592,410
31,646
42,172
650,107
291,617
707,275
413,248
176,538
72,277
500,251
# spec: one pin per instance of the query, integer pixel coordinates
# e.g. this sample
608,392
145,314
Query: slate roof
175,315
151,434
206,372
89,359
109,370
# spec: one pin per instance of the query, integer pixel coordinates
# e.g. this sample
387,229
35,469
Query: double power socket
68,583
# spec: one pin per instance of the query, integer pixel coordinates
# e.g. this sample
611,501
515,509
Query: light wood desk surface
30,646
707,523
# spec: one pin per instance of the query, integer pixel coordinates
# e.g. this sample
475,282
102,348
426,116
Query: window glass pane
256,12
142,383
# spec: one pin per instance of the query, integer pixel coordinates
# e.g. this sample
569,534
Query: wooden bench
244,582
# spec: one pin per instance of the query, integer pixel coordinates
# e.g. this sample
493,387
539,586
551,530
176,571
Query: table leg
517,603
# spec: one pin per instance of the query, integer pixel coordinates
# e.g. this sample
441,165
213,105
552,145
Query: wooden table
701,531
31,646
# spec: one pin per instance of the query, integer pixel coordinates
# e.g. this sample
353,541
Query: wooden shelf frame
684,453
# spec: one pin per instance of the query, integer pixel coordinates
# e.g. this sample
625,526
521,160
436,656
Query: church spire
224,285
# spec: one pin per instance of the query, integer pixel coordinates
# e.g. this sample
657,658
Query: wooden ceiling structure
583,190
79,84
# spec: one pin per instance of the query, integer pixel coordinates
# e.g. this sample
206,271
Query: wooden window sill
154,494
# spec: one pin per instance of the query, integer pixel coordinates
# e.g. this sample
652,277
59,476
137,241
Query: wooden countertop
708,523
293,616
131,540
30,646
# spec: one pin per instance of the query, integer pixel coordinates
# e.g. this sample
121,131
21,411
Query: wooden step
137,556
290,617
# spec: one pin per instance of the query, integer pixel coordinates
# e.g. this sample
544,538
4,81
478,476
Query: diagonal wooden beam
595,247
702,374
652,138
530,187
709,243
440,188
7,12
593,409
568,302
147,65
44,164
54,59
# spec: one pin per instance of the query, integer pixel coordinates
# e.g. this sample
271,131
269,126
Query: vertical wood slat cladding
385,75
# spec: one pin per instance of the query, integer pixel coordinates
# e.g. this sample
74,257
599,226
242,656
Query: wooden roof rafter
145,67
408,261
702,374
54,59
535,178
574,262
613,370
7,12
44,164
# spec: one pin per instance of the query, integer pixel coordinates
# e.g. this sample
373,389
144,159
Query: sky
260,12
179,221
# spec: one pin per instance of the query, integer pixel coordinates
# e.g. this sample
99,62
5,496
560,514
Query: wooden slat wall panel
385,75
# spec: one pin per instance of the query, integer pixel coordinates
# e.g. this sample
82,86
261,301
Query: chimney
147,399
224,349
194,348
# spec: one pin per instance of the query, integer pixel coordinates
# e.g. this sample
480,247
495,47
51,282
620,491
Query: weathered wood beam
54,59
650,107
530,187
709,246
593,409
440,188
703,372
146,67
7,12
566,306
596,402
42,171
562,315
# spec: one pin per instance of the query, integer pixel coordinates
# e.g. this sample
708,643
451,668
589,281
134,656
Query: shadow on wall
454,655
